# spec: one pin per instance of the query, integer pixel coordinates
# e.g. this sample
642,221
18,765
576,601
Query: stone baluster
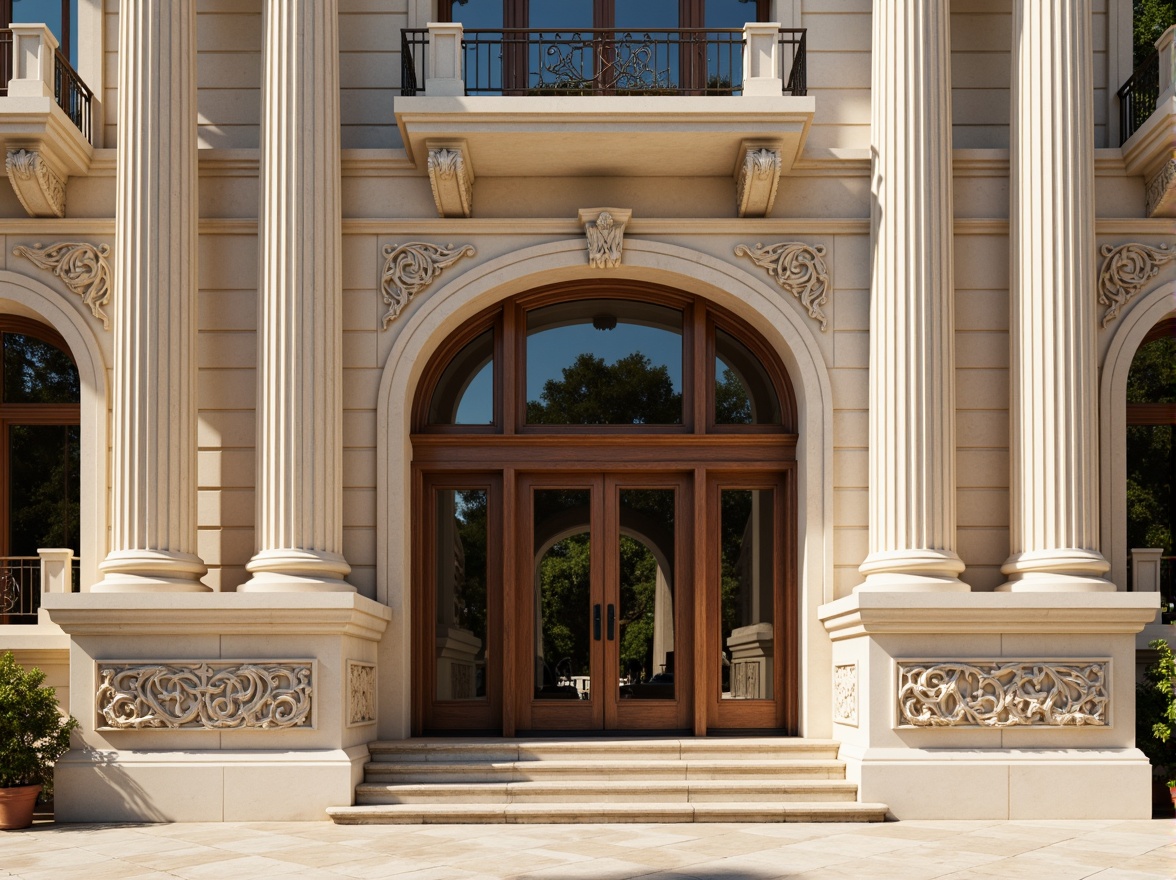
299,371
912,398
1054,524
153,479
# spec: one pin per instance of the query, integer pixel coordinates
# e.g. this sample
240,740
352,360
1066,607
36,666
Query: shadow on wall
136,801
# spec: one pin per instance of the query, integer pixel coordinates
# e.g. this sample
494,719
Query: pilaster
153,483
912,397
1054,524
300,376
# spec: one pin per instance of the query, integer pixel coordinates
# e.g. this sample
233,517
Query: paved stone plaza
913,850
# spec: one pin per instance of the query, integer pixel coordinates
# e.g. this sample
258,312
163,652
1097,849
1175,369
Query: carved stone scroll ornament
452,183
797,267
757,182
410,268
361,693
205,696
1126,269
845,679
41,190
1000,694
605,230
83,267
1161,191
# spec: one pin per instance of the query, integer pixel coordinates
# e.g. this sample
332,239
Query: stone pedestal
153,477
300,371
457,666
991,705
226,707
751,650
912,365
1054,522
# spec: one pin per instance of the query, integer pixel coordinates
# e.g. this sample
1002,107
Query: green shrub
1155,712
33,733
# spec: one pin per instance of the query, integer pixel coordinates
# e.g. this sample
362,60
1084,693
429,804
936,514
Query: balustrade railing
1137,97
23,579
683,61
69,91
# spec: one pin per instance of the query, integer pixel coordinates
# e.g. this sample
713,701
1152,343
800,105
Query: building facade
497,369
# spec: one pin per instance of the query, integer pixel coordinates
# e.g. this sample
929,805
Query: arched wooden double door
605,481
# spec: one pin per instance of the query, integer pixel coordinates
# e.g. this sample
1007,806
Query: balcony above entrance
1147,103
604,103
44,118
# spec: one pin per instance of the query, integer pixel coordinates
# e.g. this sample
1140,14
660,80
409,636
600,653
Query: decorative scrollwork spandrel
999,694
797,267
1126,269
410,268
205,696
83,267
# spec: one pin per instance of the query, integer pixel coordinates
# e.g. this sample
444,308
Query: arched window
605,481
39,459
1151,452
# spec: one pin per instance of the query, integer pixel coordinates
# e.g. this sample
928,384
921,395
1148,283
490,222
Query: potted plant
1155,715
33,734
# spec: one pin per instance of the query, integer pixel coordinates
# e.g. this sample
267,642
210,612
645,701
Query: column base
912,571
1056,571
151,571
297,571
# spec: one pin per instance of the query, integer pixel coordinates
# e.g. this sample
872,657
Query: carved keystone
452,179
605,231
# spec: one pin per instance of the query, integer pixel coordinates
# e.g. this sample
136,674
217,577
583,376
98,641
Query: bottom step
604,813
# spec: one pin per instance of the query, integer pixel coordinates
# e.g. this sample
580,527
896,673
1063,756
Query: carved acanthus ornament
452,182
845,680
40,189
1125,271
797,267
757,179
205,696
1000,693
605,230
1161,191
83,267
361,693
410,268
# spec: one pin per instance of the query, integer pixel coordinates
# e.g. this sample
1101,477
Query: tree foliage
1151,458
1155,712
629,391
1152,18
33,733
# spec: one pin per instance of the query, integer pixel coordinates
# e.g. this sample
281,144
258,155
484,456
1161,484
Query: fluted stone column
300,377
912,398
1054,527
153,489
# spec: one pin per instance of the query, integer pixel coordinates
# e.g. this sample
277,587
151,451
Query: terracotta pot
16,806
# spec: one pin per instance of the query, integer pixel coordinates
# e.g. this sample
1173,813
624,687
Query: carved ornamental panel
845,698
361,693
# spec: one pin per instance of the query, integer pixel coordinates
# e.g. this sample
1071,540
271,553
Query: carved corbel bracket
605,231
797,267
40,189
1161,191
1126,269
411,267
451,175
757,177
83,267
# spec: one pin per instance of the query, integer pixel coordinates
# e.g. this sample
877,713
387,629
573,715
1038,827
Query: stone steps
605,780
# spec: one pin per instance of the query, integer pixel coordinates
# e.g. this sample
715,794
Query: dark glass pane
465,392
478,13
1151,467
645,617
563,591
43,463
604,362
729,13
748,593
647,15
1152,378
461,594
744,394
560,15
37,372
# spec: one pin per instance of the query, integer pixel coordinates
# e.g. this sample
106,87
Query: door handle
596,622
612,621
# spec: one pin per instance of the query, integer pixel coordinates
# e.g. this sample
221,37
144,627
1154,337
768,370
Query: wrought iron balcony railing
24,578
71,94
683,61
1137,97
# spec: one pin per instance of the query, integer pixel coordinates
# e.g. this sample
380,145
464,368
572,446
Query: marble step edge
673,791
522,771
606,813
429,750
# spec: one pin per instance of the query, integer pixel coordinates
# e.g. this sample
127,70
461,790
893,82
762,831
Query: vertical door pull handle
596,622
612,621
